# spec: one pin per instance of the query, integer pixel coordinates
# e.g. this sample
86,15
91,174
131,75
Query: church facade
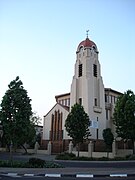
87,89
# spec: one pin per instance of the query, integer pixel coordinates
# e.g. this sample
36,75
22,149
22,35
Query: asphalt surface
72,168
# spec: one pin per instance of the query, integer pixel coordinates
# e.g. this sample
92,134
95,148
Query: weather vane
87,33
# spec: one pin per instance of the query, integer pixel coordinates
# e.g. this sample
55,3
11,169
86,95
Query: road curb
78,175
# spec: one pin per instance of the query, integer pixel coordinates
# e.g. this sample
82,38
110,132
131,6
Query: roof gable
66,108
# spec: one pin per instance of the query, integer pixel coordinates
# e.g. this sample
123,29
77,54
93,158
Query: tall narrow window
111,98
95,101
80,70
52,128
105,97
97,127
107,114
95,70
97,133
56,132
80,101
115,99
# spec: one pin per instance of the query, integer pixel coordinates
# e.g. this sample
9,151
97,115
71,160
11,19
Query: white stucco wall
88,88
47,121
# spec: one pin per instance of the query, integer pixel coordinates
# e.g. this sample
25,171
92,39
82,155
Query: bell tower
87,86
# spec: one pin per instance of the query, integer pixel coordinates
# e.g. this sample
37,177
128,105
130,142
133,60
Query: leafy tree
36,121
124,116
35,118
108,139
15,115
38,138
77,124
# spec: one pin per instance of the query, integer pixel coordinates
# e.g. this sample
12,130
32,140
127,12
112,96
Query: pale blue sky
38,41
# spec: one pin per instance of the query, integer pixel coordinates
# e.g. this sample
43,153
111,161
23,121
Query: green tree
77,125
35,118
108,139
36,121
124,116
15,115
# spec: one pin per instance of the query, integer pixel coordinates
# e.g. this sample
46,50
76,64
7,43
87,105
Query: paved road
63,178
96,168
72,164
98,164
21,157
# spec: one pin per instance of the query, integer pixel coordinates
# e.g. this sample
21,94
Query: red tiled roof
86,43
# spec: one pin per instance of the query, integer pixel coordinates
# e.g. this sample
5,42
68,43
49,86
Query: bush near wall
71,156
32,163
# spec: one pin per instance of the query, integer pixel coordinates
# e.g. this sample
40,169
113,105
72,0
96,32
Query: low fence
31,151
123,152
120,153
90,153
94,154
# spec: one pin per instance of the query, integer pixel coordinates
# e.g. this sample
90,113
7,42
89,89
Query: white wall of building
47,122
88,87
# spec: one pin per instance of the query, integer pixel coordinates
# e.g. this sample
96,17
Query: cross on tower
87,33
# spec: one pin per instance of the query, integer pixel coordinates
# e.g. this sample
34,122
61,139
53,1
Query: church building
87,89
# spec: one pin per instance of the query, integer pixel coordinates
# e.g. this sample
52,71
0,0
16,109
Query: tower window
80,101
94,47
80,70
95,70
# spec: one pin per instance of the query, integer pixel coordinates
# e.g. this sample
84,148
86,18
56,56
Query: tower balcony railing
97,109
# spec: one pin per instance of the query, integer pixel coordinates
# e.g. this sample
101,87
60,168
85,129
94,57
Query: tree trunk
24,149
133,146
78,149
107,148
107,154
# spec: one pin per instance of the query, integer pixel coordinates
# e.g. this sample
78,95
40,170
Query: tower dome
87,43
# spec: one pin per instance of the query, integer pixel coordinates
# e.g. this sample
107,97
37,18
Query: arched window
81,48
80,70
94,70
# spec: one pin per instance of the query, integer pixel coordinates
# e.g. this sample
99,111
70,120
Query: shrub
130,157
53,165
36,162
82,158
4,164
103,159
119,158
32,163
70,155
65,156
13,164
